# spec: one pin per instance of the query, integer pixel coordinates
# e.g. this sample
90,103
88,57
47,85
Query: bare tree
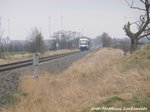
142,24
36,41
65,40
106,40
1,43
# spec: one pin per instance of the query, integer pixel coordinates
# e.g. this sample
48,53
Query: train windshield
83,42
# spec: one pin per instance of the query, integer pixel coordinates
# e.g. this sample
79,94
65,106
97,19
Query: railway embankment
9,80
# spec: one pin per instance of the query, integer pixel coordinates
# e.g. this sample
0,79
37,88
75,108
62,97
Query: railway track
20,64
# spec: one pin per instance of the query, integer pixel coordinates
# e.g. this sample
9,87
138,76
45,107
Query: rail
20,64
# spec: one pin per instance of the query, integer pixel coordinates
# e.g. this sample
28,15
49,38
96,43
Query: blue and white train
84,43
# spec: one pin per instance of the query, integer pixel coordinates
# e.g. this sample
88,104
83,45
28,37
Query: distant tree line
105,40
65,40
35,42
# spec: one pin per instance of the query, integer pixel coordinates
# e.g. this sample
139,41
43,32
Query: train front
84,44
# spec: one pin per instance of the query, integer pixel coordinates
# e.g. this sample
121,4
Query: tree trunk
134,43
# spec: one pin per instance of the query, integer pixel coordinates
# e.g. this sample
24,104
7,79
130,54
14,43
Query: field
104,79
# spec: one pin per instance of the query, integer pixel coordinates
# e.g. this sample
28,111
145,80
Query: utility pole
49,25
8,36
0,26
0,22
61,22
8,27
82,30
0,37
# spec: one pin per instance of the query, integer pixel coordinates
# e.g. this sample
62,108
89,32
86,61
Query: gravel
9,80
56,66
8,85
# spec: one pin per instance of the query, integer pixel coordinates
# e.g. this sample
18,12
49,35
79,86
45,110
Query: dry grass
102,78
15,57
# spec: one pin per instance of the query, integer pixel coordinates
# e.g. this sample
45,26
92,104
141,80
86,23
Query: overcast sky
91,17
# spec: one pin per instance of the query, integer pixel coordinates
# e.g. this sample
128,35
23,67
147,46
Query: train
84,43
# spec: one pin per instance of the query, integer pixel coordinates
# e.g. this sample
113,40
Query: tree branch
147,37
143,35
142,1
133,7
